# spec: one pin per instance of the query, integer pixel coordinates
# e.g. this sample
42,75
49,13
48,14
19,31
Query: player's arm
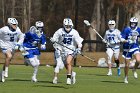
43,42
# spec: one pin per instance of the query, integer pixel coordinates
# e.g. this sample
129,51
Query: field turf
89,80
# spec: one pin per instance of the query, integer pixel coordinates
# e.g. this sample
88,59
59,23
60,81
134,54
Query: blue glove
43,47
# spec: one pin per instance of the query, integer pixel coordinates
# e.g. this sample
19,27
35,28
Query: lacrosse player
69,37
112,37
10,38
129,37
31,52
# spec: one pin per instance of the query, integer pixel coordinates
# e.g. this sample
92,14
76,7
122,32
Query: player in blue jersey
129,37
31,50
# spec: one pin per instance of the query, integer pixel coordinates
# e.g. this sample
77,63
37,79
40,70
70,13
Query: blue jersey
32,40
130,49
126,34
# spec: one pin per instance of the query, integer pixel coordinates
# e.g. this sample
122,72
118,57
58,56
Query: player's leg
58,60
69,68
126,69
116,56
137,57
109,53
35,65
8,57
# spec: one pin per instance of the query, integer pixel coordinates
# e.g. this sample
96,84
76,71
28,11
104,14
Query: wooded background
52,13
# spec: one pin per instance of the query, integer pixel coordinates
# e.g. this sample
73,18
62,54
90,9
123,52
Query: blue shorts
32,52
129,55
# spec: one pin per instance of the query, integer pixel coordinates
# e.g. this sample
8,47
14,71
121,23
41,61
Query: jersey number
12,38
67,40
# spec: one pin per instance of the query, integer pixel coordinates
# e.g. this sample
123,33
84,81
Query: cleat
73,77
55,81
126,81
135,74
119,72
68,81
2,77
109,74
34,79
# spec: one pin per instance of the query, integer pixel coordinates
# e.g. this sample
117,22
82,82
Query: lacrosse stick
74,51
88,24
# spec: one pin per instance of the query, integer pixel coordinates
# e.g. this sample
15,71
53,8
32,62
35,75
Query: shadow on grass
113,81
99,74
19,80
53,86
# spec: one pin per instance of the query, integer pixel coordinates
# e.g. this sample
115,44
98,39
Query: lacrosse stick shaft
88,24
73,50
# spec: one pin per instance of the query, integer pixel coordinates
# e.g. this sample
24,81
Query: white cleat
109,73
2,78
126,81
34,79
68,81
73,77
6,74
54,81
135,74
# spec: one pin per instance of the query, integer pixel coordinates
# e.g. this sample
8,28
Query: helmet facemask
67,24
133,25
133,22
111,25
13,23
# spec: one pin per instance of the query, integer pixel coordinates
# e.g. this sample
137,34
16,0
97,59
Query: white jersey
113,38
9,38
70,39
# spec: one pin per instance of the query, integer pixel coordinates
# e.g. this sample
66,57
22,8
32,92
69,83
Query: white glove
16,46
24,53
52,40
104,41
112,42
34,43
43,47
78,51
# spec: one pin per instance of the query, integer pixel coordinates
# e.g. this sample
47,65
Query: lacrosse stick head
87,22
134,35
102,62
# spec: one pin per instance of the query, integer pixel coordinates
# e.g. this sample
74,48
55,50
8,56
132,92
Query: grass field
89,80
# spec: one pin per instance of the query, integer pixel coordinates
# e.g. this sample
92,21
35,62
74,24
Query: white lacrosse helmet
68,24
39,24
12,21
133,22
111,24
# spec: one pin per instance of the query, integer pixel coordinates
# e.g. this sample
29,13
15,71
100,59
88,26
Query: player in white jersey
69,37
112,38
129,37
10,39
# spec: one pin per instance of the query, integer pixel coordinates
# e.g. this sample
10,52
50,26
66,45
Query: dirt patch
48,58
